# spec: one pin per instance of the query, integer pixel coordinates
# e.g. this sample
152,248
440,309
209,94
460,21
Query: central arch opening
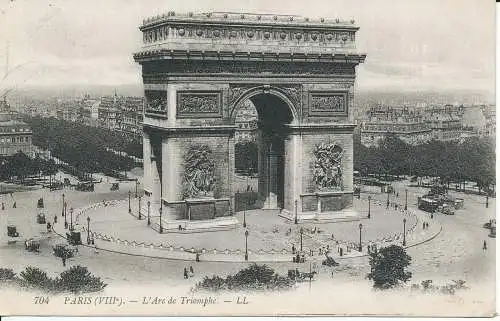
260,152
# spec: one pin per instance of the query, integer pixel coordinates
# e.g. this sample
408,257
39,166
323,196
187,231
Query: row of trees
84,147
21,166
472,159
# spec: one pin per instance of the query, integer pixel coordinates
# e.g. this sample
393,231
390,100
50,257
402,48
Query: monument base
344,215
198,226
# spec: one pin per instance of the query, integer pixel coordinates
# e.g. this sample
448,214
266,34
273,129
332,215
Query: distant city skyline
411,45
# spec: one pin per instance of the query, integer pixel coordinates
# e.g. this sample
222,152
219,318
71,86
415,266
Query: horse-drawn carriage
115,187
32,245
12,231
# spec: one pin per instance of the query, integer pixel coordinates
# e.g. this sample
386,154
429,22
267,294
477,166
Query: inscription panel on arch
328,103
199,104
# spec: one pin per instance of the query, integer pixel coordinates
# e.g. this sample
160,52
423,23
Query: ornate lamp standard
129,209
88,230
62,208
245,212
246,245
404,232
149,208
369,206
296,220
161,226
71,224
406,199
301,232
139,207
65,216
360,247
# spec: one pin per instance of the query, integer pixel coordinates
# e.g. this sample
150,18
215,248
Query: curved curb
237,262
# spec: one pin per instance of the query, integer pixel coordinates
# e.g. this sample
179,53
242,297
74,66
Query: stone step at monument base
345,215
218,224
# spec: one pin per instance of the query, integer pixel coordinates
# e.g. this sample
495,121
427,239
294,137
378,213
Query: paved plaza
270,237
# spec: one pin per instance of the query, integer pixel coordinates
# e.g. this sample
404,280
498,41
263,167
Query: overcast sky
411,44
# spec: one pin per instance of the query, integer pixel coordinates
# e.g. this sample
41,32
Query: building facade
15,135
417,125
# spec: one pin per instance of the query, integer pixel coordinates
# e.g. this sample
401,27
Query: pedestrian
484,246
341,251
320,251
423,226
3,206
63,260
293,249
15,205
191,270
197,257
185,273
396,206
397,194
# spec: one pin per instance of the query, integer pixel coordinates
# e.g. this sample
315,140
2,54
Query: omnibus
427,204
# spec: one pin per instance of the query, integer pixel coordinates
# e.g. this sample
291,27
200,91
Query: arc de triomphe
198,69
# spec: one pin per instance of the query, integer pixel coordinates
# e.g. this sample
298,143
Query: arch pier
299,73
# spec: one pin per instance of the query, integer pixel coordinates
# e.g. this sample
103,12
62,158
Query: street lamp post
62,207
136,183
296,220
65,216
88,230
369,206
244,214
71,224
360,247
139,207
161,226
404,232
246,245
129,209
301,232
149,208
406,199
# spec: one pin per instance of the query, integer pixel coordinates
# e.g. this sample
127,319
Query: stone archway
300,73
275,110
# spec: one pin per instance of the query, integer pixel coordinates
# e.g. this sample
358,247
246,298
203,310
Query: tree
388,267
